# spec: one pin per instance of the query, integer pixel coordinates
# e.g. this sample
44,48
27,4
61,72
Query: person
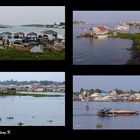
3,42
8,42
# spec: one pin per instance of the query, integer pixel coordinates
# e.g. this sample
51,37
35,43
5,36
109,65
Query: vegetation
136,46
28,94
10,118
78,22
98,125
11,54
45,82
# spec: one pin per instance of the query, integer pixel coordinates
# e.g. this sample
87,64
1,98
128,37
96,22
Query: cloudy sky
27,76
17,15
106,82
106,16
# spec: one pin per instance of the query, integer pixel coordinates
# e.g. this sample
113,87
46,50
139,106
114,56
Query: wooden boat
109,112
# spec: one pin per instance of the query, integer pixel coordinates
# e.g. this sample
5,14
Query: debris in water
50,121
10,118
20,124
98,125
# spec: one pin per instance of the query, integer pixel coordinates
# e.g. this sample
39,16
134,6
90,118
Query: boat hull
116,113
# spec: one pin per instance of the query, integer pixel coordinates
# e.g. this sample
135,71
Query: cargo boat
109,112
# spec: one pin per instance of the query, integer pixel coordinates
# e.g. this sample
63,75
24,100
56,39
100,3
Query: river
87,119
100,52
35,111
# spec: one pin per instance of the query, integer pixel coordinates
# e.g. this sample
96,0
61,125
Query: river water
35,111
87,119
100,52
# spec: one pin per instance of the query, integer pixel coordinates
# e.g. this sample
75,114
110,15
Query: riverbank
107,101
28,94
135,49
12,54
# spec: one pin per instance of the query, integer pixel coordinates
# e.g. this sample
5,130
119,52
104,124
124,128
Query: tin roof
102,28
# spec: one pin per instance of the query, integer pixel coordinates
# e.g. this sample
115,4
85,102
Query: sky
106,83
28,76
18,15
106,16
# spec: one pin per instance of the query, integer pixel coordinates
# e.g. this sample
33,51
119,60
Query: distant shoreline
102,101
33,95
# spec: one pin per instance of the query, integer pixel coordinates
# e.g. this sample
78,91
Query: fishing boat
109,112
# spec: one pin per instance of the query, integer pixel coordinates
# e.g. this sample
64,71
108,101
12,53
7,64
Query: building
137,96
6,35
62,23
60,88
103,94
32,36
113,92
95,95
39,89
19,35
100,32
52,35
123,27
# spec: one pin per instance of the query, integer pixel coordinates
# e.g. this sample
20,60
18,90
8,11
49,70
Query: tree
119,91
98,91
81,90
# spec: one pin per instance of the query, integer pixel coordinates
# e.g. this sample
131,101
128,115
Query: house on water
52,35
32,36
6,35
19,35
100,32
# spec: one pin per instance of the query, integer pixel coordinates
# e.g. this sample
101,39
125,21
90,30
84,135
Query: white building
113,92
123,27
101,32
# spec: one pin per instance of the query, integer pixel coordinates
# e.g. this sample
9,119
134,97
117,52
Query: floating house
100,32
19,35
52,35
6,35
32,36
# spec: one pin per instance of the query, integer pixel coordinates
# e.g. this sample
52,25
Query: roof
6,33
32,33
49,32
19,33
102,28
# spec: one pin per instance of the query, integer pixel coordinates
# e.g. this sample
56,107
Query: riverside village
103,32
47,41
97,95
125,31
32,87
